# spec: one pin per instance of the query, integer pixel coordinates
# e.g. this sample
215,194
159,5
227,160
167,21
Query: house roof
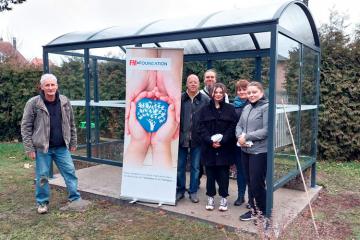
9,52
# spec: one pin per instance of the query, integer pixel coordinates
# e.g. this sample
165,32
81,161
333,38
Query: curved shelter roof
223,31
273,31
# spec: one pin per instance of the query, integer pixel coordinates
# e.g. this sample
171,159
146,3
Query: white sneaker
210,204
223,205
42,208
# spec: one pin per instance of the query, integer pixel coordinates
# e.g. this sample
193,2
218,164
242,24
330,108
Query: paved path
105,180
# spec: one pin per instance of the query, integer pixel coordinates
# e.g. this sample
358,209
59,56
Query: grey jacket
35,124
254,123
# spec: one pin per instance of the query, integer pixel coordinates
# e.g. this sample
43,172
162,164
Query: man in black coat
191,103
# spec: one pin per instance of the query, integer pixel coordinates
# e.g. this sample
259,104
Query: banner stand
133,201
159,203
151,138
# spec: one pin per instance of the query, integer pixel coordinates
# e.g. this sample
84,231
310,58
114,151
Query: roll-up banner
152,117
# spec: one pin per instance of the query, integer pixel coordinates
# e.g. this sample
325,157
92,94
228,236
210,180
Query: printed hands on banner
152,117
162,93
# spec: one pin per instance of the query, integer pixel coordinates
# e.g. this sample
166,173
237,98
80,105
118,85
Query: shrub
17,85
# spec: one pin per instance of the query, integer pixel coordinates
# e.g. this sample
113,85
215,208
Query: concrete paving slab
105,180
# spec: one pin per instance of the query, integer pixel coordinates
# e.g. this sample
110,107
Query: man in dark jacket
48,132
209,80
191,103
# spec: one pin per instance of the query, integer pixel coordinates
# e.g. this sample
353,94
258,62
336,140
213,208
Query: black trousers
220,175
255,175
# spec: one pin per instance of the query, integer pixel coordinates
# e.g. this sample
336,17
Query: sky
37,22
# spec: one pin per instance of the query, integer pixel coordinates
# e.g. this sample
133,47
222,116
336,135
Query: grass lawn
337,210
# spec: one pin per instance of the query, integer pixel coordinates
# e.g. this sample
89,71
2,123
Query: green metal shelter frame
285,33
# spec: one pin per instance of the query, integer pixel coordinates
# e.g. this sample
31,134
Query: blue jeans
194,170
240,175
63,161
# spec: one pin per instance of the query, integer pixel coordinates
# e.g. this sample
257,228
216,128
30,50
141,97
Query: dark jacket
189,116
239,106
214,121
254,123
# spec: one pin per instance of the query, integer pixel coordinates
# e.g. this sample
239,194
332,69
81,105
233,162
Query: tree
6,5
339,116
17,85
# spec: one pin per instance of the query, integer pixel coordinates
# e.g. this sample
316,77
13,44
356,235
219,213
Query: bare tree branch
6,5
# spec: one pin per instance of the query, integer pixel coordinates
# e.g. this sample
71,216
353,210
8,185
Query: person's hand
216,145
242,140
31,155
138,82
171,87
72,149
161,140
169,129
137,132
169,82
136,151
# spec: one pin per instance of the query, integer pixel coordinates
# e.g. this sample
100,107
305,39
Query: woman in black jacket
217,125
240,101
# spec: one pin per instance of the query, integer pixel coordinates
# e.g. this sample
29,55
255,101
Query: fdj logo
133,62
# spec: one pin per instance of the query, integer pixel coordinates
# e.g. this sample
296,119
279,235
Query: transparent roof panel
190,46
244,15
294,20
170,25
114,31
291,17
263,39
73,37
111,52
229,43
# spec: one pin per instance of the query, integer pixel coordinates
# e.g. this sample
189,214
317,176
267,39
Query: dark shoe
262,221
248,206
179,196
239,201
80,205
193,197
247,216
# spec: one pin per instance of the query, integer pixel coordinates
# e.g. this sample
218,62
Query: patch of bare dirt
330,212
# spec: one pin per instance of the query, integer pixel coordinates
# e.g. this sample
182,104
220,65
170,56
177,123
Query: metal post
46,62
300,90
271,121
313,168
87,103
96,98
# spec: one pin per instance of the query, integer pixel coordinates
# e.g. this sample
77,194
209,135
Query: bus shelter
280,38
